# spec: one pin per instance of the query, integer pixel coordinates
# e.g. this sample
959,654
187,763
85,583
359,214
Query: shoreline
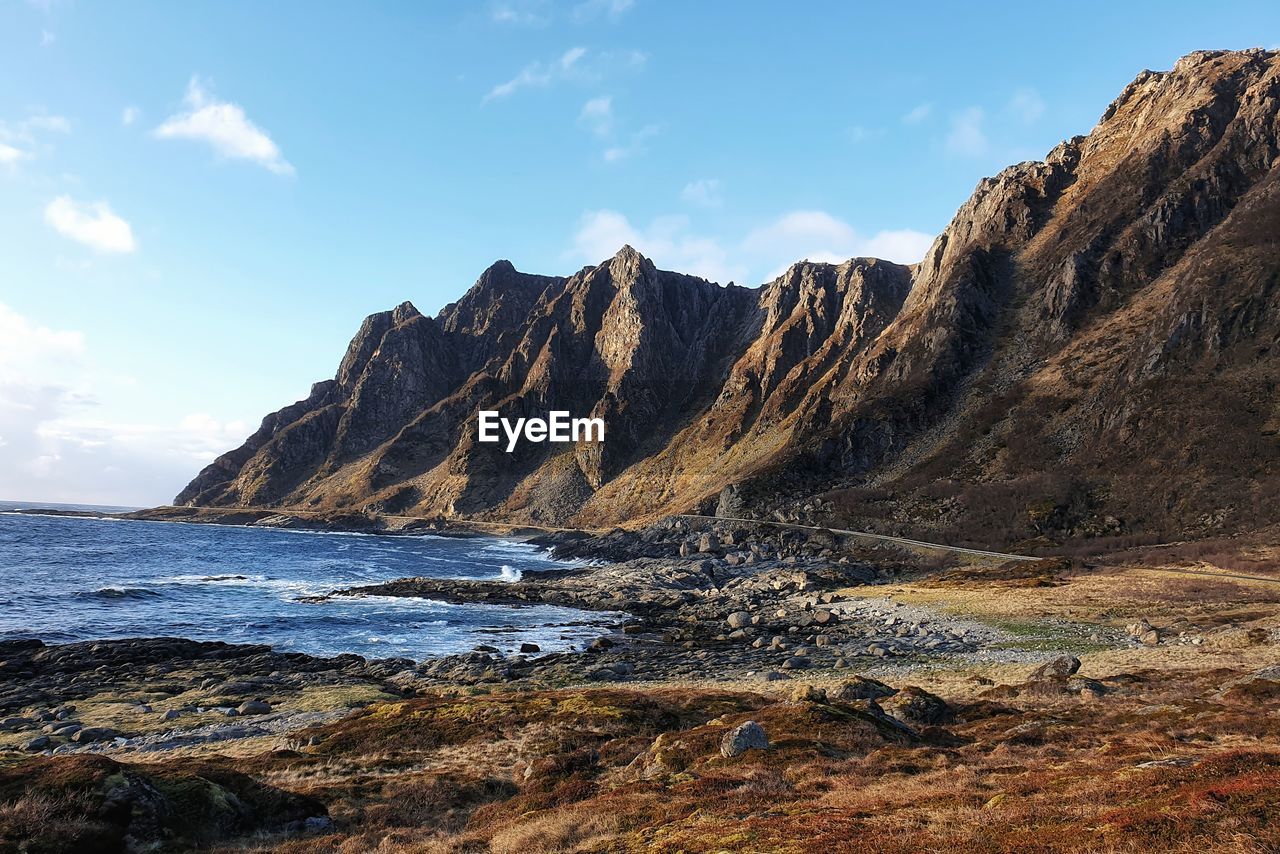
841,664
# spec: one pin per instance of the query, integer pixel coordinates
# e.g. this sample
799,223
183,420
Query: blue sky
200,201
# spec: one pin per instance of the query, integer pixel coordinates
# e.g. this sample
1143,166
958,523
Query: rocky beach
755,666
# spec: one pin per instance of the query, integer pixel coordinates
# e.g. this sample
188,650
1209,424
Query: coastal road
505,526
866,535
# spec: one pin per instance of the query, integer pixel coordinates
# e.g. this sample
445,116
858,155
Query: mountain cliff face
1090,347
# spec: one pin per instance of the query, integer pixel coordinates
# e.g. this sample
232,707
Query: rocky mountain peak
1090,338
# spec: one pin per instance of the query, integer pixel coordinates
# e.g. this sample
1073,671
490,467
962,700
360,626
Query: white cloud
538,74
1027,105
589,9
27,348
42,122
47,38
129,115
812,235
23,140
666,240
92,223
574,65
902,246
634,146
966,136
10,155
523,13
918,114
704,192
859,133
597,115
53,448
763,254
225,127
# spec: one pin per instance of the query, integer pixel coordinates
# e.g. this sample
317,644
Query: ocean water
70,579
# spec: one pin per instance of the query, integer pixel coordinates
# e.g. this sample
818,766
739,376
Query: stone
254,707
738,619
823,617
91,734
40,742
808,694
744,737
1144,632
795,662
709,542
533,647
917,707
861,688
1059,668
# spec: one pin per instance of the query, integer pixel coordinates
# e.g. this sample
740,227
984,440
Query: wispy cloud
44,122
705,193
918,114
1027,105
966,136
597,115
10,155
576,64
226,128
539,74
861,133
521,13
55,445
765,252
815,235
23,140
636,144
129,115
47,38
669,240
590,9
94,224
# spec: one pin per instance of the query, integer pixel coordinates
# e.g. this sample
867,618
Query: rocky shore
723,601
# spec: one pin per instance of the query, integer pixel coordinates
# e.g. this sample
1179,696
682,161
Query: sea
66,579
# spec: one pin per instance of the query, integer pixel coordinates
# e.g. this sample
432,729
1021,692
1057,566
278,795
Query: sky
200,201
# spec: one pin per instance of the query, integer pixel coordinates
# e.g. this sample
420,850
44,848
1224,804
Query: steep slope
1087,348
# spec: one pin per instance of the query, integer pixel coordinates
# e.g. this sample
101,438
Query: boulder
861,688
530,647
1059,668
738,620
808,694
744,737
254,707
93,733
917,707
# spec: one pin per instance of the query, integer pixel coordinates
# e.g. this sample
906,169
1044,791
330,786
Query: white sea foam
510,574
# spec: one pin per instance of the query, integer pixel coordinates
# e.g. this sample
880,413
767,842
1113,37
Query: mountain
1091,347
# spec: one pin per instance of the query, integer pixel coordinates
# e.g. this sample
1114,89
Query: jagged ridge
1087,348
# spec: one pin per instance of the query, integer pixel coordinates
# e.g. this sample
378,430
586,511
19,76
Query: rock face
1089,347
